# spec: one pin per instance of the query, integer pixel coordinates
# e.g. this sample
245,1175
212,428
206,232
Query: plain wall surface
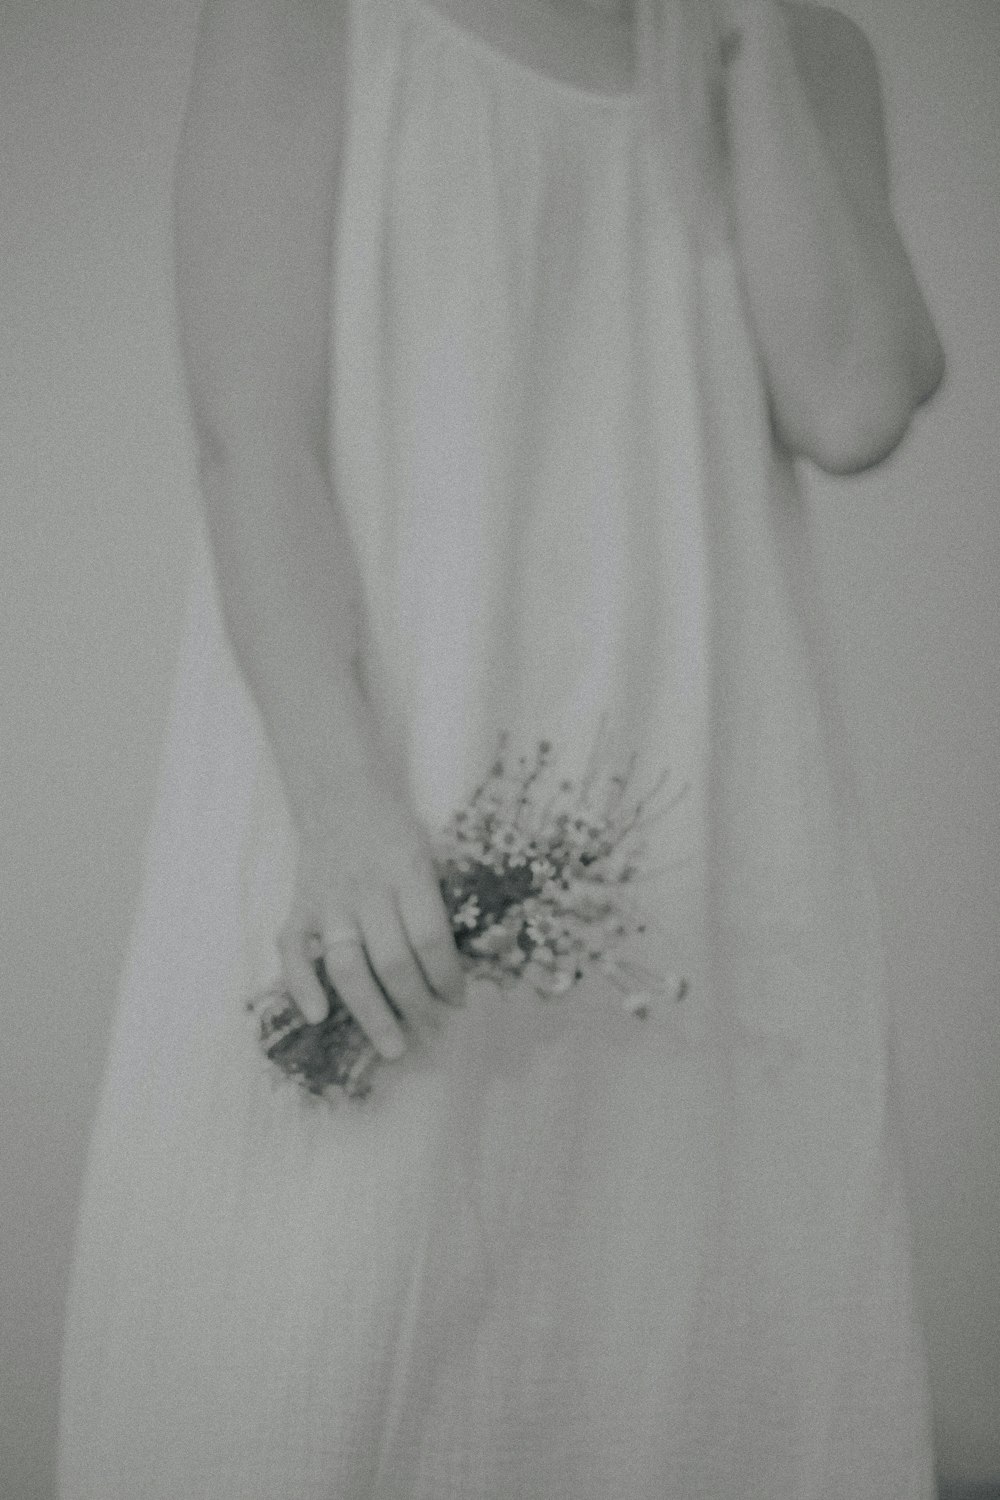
96,518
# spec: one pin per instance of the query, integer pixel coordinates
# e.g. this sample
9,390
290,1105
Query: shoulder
840,73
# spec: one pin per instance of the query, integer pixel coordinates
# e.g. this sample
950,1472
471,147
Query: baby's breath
533,879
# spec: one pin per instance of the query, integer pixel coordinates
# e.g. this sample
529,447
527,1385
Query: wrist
350,771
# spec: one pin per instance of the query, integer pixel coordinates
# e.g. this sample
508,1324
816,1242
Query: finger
299,974
429,930
394,965
348,972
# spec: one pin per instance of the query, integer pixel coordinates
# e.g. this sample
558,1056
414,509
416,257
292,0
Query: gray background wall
95,526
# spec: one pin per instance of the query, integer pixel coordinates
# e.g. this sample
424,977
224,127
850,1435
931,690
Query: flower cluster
533,877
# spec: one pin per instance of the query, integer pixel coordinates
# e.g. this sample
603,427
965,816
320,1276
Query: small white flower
580,845
467,914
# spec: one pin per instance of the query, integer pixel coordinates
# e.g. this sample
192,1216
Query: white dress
568,1253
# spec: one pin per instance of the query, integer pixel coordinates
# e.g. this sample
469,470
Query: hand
367,901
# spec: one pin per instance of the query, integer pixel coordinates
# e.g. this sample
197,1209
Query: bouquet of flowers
534,877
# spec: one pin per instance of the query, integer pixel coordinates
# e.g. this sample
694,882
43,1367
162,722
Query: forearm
290,598
256,192
844,337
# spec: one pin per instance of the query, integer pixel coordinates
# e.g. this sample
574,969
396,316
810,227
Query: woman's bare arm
256,199
847,343
256,187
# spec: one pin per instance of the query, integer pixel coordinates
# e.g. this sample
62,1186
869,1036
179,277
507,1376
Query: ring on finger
318,943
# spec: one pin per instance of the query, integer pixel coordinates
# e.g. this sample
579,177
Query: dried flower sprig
535,892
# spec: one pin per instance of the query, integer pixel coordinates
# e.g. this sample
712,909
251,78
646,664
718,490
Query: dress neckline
588,56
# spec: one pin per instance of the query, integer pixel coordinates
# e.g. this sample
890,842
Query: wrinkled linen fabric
566,1252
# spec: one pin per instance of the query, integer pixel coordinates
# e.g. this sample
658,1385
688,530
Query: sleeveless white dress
567,1253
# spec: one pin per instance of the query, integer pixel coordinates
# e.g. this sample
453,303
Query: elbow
853,437
256,446
859,426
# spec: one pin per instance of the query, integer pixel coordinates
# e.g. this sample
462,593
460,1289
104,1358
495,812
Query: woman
504,325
